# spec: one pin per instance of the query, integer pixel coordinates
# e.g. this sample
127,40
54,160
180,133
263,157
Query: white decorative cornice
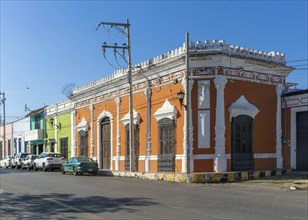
83,125
136,118
198,47
166,111
242,107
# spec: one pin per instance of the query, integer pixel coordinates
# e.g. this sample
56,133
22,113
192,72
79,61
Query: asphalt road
51,195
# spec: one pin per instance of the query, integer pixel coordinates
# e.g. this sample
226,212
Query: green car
80,165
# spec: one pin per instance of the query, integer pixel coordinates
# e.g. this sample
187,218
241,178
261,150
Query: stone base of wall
209,177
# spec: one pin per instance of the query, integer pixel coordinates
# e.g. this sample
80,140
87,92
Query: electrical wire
293,61
109,62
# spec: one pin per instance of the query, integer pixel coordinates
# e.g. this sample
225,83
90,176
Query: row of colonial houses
230,110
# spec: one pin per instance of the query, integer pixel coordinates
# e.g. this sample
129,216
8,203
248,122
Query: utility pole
4,137
129,75
187,109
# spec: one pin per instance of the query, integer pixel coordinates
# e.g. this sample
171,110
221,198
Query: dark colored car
80,165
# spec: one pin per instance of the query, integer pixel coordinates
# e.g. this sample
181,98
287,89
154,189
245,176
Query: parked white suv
6,162
28,162
18,159
48,161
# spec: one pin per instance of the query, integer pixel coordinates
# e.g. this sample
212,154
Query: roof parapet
195,47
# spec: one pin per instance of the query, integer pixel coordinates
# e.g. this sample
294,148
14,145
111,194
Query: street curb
206,177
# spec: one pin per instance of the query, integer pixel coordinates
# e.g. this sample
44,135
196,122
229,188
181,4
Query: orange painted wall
203,165
159,95
264,128
265,164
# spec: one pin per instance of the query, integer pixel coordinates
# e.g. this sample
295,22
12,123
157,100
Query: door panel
241,143
64,147
105,128
302,141
166,157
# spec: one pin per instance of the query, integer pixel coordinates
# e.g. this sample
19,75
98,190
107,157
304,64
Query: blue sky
46,45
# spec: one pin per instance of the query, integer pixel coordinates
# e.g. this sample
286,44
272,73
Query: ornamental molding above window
103,115
242,107
166,111
136,118
82,126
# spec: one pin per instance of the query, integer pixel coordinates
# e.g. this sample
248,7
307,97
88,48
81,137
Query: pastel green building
34,138
58,128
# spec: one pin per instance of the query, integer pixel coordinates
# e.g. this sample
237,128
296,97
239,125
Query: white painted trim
136,118
144,157
242,107
204,94
204,129
293,133
220,164
83,125
264,156
166,111
228,156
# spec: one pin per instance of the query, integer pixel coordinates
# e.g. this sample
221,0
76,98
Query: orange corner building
230,117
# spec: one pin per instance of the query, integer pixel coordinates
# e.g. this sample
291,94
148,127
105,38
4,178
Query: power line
293,61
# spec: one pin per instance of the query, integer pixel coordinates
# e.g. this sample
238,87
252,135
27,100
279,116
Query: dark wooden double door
105,141
241,143
302,141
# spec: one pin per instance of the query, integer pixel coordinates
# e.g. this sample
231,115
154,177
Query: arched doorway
105,141
241,143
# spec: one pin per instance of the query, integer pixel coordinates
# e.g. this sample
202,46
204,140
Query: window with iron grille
135,157
64,147
166,157
83,143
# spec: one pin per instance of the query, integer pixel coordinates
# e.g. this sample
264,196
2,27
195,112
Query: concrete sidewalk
286,178
291,181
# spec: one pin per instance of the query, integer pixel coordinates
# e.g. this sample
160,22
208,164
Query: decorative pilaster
148,94
187,147
91,107
220,128
56,132
118,101
279,158
73,133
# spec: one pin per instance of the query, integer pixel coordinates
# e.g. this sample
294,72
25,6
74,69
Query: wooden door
302,141
105,129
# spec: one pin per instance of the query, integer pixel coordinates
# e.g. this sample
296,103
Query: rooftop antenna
26,108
